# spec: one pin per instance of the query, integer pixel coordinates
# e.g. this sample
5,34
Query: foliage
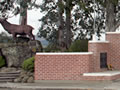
12,7
112,15
28,64
75,16
51,48
79,46
34,50
2,61
80,17
48,27
4,38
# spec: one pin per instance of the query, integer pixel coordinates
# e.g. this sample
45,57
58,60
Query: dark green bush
28,64
79,46
2,61
52,48
4,38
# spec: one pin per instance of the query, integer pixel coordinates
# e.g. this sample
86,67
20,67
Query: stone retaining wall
16,53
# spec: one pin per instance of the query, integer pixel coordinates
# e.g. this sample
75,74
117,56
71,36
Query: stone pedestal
16,53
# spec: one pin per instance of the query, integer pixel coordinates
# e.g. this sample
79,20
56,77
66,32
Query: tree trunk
110,16
68,24
23,19
23,10
61,29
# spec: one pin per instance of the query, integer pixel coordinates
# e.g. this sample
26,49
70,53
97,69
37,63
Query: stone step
17,72
8,80
2,78
8,76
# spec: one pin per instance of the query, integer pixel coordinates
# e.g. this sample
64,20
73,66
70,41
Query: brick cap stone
98,41
106,73
112,32
66,53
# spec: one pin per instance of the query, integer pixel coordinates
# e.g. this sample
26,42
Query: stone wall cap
98,41
112,32
106,73
65,53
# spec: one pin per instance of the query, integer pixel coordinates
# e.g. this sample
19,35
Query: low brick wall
62,66
71,66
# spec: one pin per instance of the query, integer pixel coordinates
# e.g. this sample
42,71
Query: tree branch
117,24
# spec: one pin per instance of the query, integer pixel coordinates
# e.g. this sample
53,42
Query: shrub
28,64
52,48
79,46
2,61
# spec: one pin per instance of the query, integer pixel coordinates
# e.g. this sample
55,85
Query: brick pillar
114,49
97,47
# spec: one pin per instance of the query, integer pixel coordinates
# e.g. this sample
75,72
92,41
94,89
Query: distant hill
43,41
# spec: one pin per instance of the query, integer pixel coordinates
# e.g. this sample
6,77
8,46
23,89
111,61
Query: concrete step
106,75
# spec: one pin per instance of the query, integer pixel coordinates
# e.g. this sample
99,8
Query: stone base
16,53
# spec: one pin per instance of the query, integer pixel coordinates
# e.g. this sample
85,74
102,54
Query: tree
64,29
111,9
23,10
112,15
14,7
4,38
50,21
61,29
6,6
65,20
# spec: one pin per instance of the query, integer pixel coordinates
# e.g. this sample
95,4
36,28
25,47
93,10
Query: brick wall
64,66
114,49
71,66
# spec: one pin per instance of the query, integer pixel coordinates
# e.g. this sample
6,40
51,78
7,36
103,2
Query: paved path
73,85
